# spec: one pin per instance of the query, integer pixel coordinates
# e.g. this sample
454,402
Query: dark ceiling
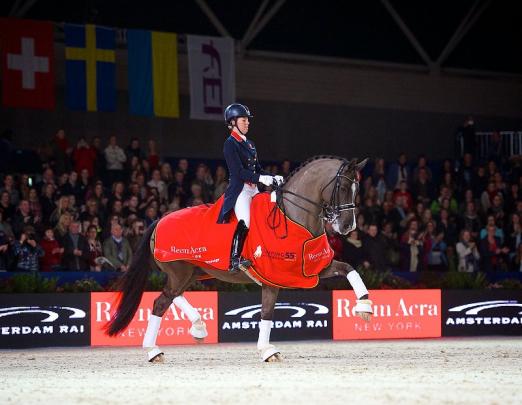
347,29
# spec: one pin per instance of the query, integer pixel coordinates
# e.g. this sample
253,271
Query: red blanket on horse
294,261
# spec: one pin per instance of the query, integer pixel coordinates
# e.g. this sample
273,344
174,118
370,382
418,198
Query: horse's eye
344,189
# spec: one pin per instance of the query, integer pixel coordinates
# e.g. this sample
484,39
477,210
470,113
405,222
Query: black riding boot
236,261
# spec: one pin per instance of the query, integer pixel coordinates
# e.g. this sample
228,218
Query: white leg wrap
357,284
151,334
191,312
264,334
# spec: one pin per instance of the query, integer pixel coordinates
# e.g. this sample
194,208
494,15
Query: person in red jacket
53,252
84,156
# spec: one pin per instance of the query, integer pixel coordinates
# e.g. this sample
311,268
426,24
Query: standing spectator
28,251
84,182
399,171
411,248
491,251
76,254
375,248
134,150
10,188
61,151
99,163
95,248
53,252
468,253
71,186
353,251
117,249
466,175
115,158
152,155
466,138
84,157
24,218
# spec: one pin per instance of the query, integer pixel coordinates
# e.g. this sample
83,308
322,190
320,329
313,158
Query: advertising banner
174,328
211,75
33,320
397,314
299,315
484,312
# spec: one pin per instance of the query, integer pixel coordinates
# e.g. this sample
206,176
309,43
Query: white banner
212,76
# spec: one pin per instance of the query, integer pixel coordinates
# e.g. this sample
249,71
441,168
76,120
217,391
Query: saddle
283,253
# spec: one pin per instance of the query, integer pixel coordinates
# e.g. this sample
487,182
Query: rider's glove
266,180
279,180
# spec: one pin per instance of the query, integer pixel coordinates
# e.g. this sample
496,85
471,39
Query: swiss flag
27,51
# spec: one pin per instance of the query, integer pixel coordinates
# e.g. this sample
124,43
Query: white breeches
242,206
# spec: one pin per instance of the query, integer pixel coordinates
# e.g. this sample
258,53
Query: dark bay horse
322,189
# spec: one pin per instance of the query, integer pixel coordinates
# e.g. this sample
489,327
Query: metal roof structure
465,37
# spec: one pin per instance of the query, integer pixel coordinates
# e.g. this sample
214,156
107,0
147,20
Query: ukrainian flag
90,67
153,73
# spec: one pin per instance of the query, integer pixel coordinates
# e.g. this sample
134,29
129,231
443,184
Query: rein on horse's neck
308,181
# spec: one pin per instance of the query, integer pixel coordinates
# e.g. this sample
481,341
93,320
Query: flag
27,52
90,67
212,76
153,73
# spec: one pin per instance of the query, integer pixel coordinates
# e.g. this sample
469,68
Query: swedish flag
90,67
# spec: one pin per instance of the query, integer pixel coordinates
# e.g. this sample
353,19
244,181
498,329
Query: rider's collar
237,137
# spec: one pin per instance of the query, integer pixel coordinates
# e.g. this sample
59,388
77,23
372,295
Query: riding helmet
236,110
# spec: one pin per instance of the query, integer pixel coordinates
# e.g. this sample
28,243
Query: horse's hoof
159,358
365,316
275,358
199,341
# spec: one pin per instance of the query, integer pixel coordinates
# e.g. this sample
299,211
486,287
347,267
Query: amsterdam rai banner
212,76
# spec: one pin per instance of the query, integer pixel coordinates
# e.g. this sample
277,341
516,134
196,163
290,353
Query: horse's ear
359,166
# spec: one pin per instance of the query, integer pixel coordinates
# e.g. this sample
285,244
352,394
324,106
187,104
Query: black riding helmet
234,111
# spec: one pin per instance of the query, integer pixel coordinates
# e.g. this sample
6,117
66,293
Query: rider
245,173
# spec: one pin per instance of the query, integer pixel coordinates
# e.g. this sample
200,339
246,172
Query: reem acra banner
212,76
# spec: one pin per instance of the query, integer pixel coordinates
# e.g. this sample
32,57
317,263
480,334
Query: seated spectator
400,215
5,205
95,248
335,241
151,215
71,186
486,198
166,173
62,227
497,211
391,245
411,244
196,197
468,253
5,226
157,183
422,166
76,250
379,178
371,211
11,190
448,181
512,196
399,171
220,182
179,188
204,179
517,261
353,252
492,252
5,259
134,150
445,193
27,251
62,207
514,234
117,250
131,206
470,220
422,189
375,248
47,202
466,177
446,225
403,192
53,252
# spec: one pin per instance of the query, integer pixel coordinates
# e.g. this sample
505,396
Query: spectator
411,248
156,182
445,193
422,188
62,207
5,205
496,210
178,187
499,232
517,262
391,245
375,248
47,179
447,226
34,204
5,243
84,157
205,181
166,173
403,192
470,220
76,254
95,248
398,172
60,152
134,150
131,206
422,165
118,194
379,178
492,252
353,251
53,252
100,163
62,227
47,202
486,198
468,253
117,249
27,251
24,218
152,156
434,248
115,158
196,197
220,182
136,233
10,188
466,137
466,174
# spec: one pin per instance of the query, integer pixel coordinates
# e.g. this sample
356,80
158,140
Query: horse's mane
317,157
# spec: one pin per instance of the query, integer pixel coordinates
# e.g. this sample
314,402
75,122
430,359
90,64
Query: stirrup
239,264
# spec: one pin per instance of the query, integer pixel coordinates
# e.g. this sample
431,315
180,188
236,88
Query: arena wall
301,109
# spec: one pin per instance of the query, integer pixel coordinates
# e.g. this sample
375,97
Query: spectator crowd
88,207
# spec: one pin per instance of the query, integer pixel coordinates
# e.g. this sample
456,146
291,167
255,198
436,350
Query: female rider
245,173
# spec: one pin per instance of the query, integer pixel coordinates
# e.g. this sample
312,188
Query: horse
322,189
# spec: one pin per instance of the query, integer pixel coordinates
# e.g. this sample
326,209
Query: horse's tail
132,284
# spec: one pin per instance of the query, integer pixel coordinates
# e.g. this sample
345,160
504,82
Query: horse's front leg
363,307
268,352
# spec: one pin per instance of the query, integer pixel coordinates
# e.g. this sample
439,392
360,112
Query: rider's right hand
266,180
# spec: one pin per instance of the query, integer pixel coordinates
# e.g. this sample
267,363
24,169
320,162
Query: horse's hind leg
180,276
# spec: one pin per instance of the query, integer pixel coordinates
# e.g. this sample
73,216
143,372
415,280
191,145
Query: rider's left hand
279,180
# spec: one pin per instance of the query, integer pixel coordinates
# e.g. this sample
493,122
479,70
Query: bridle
329,211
